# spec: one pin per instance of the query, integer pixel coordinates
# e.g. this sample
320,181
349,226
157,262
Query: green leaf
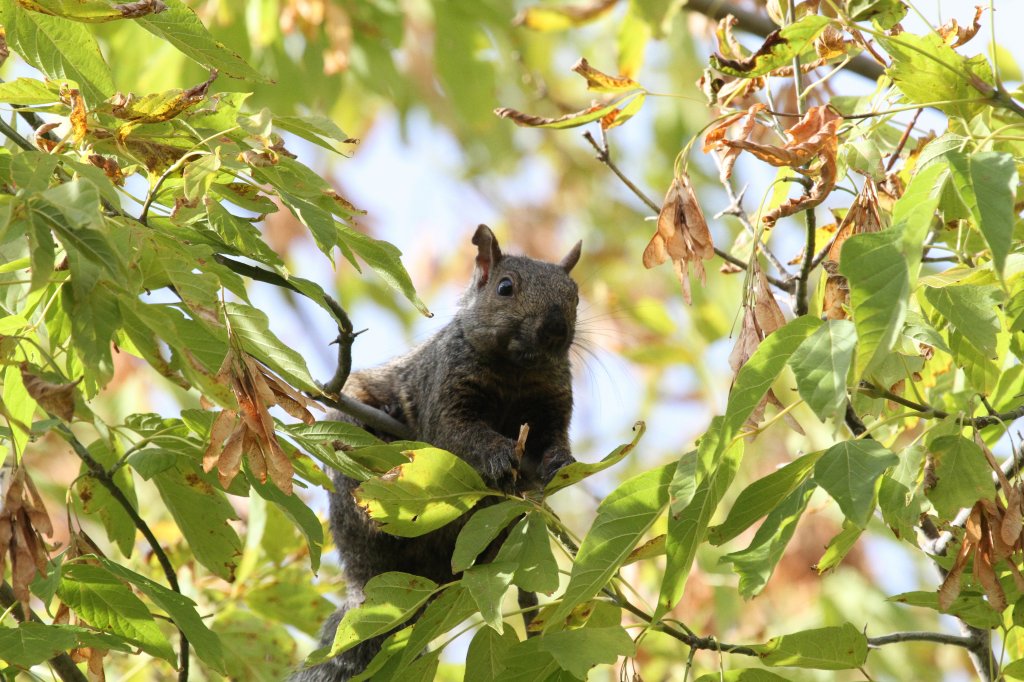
253,329
963,475
181,610
106,603
577,651
432,490
487,584
391,599
328,431
31,643
761,496
981,371
313,128
290,599
96,499
742,675
927,70
528,548
778,50
300,514
755,564
444,613
487,652
821,364
626,105
481,529
622,519
202,514
849,471
385,259
28,91
833,648
19,408
180,26
60,48
839,546
198,175
879,287
577,471
913,214
762,369
885,12
973,310
994,177
970,607
688,527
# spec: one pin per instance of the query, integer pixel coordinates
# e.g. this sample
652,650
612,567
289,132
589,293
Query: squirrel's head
520,309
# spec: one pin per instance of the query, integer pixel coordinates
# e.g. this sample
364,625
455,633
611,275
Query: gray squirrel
503,361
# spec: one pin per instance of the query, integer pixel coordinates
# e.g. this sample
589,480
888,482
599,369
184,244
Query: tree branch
938,637
929,412
61,663
978,642
802,304
97,471
604,156
761,25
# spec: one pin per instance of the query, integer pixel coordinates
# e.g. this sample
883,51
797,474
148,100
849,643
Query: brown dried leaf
766,308
230,461
95,658
224,424
984,563
717,135
1013,524
42,141
682,235
57,399
251,447
956,35
602,82
830,44
109,167
950,588
134,10
823,185
747,341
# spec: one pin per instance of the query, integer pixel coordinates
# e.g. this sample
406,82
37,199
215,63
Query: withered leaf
109,167
79,126
602,82
682,235
956,35
715,136
22,518
134,10
57,399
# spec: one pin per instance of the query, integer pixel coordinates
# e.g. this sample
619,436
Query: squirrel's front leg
491,454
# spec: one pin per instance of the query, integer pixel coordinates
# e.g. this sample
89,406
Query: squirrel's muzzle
554,333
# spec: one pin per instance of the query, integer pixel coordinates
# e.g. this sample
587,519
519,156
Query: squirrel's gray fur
503,361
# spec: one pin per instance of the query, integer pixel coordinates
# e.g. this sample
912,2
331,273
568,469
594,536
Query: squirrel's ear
569,262
488,253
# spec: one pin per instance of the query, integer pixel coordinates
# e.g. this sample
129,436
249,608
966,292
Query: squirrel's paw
500,472
554,459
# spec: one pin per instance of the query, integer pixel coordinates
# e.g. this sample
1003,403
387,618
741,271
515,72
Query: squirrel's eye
505,287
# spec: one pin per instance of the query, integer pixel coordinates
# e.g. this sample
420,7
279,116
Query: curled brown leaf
956,35
57,399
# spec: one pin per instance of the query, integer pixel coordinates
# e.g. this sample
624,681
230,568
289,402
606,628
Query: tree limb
761,25
61,663
802,304
929,412
97,471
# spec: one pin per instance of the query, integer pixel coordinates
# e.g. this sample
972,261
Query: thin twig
604,157
97,471
938,637
929,412
802,304
903,141
61,663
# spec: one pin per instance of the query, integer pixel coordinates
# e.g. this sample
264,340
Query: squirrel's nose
554,330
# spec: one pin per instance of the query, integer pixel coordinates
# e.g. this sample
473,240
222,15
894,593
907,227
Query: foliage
135,224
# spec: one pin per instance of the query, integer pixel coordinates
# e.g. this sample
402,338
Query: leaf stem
802,303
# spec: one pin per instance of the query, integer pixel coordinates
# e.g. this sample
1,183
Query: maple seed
682,235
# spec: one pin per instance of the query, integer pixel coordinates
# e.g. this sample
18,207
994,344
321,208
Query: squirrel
502,361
